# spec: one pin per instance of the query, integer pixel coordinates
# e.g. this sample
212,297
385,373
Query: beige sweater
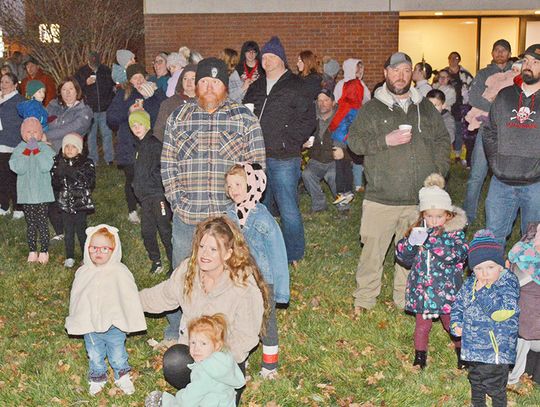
242,306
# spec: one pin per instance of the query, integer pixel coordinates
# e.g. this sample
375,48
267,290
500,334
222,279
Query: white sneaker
57,238
133,217
18,215
125,384
69,263
4,212
96,387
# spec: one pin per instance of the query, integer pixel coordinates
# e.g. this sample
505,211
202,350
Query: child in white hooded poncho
104,306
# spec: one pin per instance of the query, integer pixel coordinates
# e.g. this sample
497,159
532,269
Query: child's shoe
4,212
125,384
345,198
268,374
153,399
43,257
156,267
18,215
69,263
96,387
133,217
420,358
57,238
32,257
461,364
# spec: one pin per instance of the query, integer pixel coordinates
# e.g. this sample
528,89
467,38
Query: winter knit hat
331,68
123,56
32,87
433,195
256,184
213,68
485,247
134,69
74,139
141,117
274,47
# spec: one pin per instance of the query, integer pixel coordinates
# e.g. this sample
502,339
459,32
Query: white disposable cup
310,142
250,106
405,127
419,229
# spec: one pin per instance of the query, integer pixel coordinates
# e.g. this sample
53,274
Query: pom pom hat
433,195
485,247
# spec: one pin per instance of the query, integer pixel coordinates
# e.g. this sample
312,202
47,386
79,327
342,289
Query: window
49,33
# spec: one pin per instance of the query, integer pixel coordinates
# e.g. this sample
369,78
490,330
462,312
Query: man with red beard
203,139
403,139
512,145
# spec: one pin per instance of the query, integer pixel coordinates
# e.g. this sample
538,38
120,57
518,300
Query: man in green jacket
403,140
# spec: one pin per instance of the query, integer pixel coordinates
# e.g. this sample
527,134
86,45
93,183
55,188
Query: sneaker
359,189
153,399
32,257
96,387
346,197
57,238
133,217
43,258
4,212
69,263
156,267
125,384
268,374
18,215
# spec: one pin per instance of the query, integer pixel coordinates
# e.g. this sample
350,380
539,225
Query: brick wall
371,36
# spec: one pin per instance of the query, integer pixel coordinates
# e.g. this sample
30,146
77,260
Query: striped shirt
199,148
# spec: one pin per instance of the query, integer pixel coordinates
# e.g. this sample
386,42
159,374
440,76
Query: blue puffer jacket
266,244
117,119
489,319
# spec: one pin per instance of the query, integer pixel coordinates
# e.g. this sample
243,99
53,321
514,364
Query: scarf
256,184
250,73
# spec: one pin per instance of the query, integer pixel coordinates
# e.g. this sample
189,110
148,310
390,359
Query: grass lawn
327,357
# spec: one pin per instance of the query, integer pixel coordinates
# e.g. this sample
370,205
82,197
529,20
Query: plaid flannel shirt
199,148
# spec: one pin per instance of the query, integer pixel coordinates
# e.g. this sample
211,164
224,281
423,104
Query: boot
461,364
420,358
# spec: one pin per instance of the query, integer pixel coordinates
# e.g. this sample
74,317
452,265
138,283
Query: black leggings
129,172
36,223
178,375
74,223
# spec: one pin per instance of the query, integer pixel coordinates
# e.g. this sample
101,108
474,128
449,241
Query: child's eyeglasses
100,249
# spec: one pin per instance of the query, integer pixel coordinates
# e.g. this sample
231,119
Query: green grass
327,358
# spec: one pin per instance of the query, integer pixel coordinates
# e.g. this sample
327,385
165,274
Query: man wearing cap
98,90
34,72
500,53
512,146
287,119
321,164
396,163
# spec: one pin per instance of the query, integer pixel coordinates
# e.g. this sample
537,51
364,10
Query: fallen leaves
62,367
374,379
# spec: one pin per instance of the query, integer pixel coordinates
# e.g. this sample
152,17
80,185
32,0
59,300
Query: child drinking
33,107
485,315
214,373
32,160
436,254
148,188
245,184
74,176
104,306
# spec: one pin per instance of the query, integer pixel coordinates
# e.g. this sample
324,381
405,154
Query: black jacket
286,115
147,178
99,95
74,178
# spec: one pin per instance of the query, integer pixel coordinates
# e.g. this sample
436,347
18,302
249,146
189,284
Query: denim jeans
100,120
477,176
503,202
312,175
282,190
358,175
182,236
110,344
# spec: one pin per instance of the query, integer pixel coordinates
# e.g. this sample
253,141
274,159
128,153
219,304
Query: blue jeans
312,175
503,202
100,120
477,176
110,344
282,190
182,236
358,174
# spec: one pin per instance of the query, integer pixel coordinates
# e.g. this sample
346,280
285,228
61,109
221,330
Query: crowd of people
213,151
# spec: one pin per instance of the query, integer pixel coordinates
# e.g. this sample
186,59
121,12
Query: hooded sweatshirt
349,73
395,174
104,296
